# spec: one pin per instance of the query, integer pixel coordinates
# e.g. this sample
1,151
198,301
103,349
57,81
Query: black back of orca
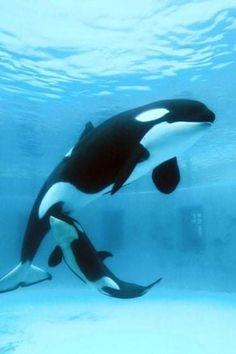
100,154
99,157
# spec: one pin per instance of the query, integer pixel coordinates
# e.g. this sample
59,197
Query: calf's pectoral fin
166,176
138,155
55,257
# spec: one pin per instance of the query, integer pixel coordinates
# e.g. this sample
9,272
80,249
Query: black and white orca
117,152
82,258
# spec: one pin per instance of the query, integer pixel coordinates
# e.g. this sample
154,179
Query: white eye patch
152,114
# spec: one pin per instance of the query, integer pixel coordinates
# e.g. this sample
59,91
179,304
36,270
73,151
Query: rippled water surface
67,62
50,50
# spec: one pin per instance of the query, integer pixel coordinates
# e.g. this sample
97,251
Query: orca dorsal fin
55,257
88,128
104,254
139,154
166,176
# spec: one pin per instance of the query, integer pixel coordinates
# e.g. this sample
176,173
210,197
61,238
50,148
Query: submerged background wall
187,237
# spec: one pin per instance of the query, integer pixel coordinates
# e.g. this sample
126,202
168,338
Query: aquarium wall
187,238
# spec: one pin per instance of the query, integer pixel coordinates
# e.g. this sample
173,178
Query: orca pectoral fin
138,155
166,176
55,257
104,254
23,275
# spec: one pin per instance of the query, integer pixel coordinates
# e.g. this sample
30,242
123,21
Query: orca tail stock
24,274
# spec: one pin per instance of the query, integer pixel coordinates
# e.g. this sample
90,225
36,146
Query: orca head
184,110
173,127
64,231
67,235
176,110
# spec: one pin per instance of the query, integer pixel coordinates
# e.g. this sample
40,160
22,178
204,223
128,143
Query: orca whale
120,150
82,258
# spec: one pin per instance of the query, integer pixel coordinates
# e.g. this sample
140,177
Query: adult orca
118,151
82,258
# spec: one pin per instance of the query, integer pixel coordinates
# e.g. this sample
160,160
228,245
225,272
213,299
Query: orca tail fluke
127,290
25,274
150,286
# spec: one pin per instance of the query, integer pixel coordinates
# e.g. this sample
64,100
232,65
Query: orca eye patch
152,114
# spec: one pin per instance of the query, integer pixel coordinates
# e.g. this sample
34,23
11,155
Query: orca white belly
72,198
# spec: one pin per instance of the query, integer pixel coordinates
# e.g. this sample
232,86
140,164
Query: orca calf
82,258
119,151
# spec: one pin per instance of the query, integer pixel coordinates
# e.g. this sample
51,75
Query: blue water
69,62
